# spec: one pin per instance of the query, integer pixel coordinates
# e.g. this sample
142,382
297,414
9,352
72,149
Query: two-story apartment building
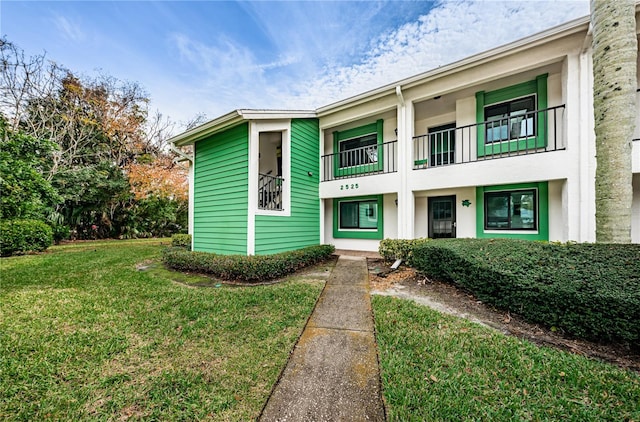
500,144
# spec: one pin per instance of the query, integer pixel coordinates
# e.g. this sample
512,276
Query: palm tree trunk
615,50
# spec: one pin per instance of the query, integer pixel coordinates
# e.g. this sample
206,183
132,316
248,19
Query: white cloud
449,32
69,29
230,76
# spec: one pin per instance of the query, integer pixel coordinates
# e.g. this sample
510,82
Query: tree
615,50
24,192
108,160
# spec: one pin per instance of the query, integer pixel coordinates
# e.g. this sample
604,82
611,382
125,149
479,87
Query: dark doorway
442,217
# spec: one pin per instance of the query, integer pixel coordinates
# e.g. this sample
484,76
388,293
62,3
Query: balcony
515,135
363,161
270,192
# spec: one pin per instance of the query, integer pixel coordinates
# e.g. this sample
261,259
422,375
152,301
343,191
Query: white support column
587,151
191,196
406,202
321,176
254,160
578,194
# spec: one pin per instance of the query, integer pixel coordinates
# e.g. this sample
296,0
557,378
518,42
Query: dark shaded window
510,120
511,210
358,214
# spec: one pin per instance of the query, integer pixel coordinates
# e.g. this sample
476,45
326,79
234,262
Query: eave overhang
234,118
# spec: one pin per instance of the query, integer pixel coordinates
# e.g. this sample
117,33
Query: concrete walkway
333,372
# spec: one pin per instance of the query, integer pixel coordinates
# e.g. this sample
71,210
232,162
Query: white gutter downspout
189,158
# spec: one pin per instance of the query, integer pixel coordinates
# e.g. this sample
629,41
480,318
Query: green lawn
86,335
440,368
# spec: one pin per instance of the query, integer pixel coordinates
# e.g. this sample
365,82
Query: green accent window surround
358,150
511,128
358,217
517,211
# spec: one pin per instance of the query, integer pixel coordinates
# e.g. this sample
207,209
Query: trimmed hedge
22,236
591,291
392,249
253,268
181,241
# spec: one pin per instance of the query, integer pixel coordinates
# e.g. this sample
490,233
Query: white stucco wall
635,210
465,216
557,221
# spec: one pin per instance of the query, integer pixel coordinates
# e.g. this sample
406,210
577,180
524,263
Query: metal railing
528,133
270,192
363,161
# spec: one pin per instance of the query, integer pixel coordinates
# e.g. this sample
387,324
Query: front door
442,217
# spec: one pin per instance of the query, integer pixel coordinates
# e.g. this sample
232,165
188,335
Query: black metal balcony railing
363,161
528,133
270,192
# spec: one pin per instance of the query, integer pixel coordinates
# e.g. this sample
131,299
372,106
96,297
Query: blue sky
215,56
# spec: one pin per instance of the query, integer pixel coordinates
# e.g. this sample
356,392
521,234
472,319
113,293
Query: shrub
181,241
590,291
60,232
392,249
21,236
251,268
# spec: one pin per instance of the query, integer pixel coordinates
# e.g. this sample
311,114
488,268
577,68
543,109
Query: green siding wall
220,192
277,234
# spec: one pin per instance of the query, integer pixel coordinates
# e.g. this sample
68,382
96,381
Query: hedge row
181,241
22,236
252,268
590,291
392,249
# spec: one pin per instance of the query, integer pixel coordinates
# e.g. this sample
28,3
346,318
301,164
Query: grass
436,367
84,335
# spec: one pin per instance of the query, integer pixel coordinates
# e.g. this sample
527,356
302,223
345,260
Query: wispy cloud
230,75
451,31
70,30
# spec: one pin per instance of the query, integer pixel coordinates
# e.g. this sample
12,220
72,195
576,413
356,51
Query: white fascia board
231,119
276,114
569,28
205,129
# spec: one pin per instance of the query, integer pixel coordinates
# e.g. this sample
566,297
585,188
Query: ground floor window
511,210
358,217
516,211
358,214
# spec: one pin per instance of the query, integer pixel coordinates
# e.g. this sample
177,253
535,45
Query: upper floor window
358,150
513,118
510,120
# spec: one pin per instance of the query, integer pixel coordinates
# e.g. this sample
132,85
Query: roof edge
233,118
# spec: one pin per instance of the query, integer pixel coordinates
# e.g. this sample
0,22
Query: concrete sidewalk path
333,372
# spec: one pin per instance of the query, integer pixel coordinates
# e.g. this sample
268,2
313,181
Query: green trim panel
283,233
543,212
356,132
220,192
359,234
537,86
